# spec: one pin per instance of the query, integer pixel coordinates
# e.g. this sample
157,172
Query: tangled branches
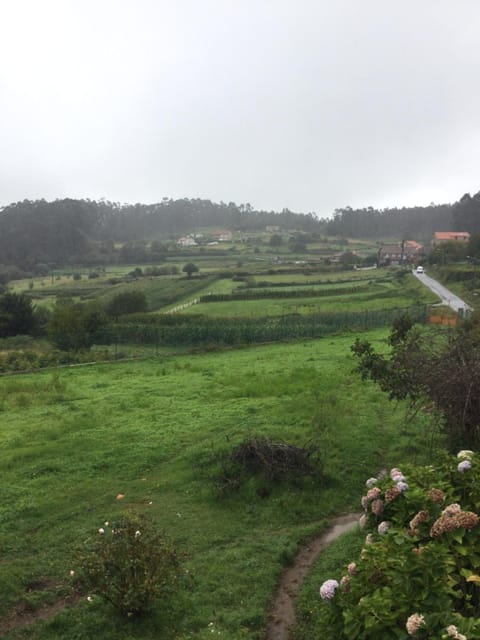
269,461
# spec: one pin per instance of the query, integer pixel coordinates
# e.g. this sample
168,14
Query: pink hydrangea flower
452,509
352,568
414,622
345,583
383,527
377,507
463,466
374,493
328,588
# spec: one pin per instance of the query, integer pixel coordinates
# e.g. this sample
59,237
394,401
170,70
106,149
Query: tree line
407,222
38,233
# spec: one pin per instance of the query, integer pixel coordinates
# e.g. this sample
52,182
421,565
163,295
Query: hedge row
253,294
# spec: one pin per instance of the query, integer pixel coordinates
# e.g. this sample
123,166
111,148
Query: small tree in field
190,268
72,326
16,315
65,328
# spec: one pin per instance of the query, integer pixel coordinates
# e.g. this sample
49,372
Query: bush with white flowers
129,564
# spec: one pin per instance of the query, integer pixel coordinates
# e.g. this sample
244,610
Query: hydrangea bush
418,574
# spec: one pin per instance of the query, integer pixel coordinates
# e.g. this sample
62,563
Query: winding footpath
282,613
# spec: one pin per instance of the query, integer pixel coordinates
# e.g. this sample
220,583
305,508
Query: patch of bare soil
24,615
282,612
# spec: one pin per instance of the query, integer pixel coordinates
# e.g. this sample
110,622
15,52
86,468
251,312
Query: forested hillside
407,222
85,231
33,232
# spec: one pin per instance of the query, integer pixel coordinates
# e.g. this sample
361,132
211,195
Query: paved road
447,297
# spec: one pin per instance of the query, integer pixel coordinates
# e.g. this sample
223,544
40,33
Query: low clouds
310,105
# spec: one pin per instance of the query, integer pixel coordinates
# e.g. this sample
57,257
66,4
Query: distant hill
419,223
69,231
38,232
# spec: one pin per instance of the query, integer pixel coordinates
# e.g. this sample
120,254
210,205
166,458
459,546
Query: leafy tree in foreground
441,370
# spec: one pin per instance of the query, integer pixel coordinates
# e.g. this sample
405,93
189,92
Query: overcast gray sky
307,104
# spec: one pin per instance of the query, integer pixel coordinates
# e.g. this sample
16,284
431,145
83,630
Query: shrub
436,369
128,564
417,574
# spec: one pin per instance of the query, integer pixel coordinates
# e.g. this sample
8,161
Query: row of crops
197,330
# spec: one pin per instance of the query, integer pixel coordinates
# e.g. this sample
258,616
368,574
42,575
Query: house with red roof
404,252
450,236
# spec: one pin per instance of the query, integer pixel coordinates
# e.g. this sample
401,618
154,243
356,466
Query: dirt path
282,613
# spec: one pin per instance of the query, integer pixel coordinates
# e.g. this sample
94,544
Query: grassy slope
70,442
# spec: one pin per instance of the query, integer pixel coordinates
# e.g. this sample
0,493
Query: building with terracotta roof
402,253
450,236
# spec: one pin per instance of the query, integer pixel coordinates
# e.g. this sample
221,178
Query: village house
186,241
450,236
401,253
222,236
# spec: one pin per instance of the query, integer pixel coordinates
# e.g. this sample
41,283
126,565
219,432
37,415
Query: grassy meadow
73,439
368,294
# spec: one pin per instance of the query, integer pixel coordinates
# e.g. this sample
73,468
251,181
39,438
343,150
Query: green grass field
73,439
376,295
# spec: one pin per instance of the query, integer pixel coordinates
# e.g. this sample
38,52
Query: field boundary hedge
253,294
